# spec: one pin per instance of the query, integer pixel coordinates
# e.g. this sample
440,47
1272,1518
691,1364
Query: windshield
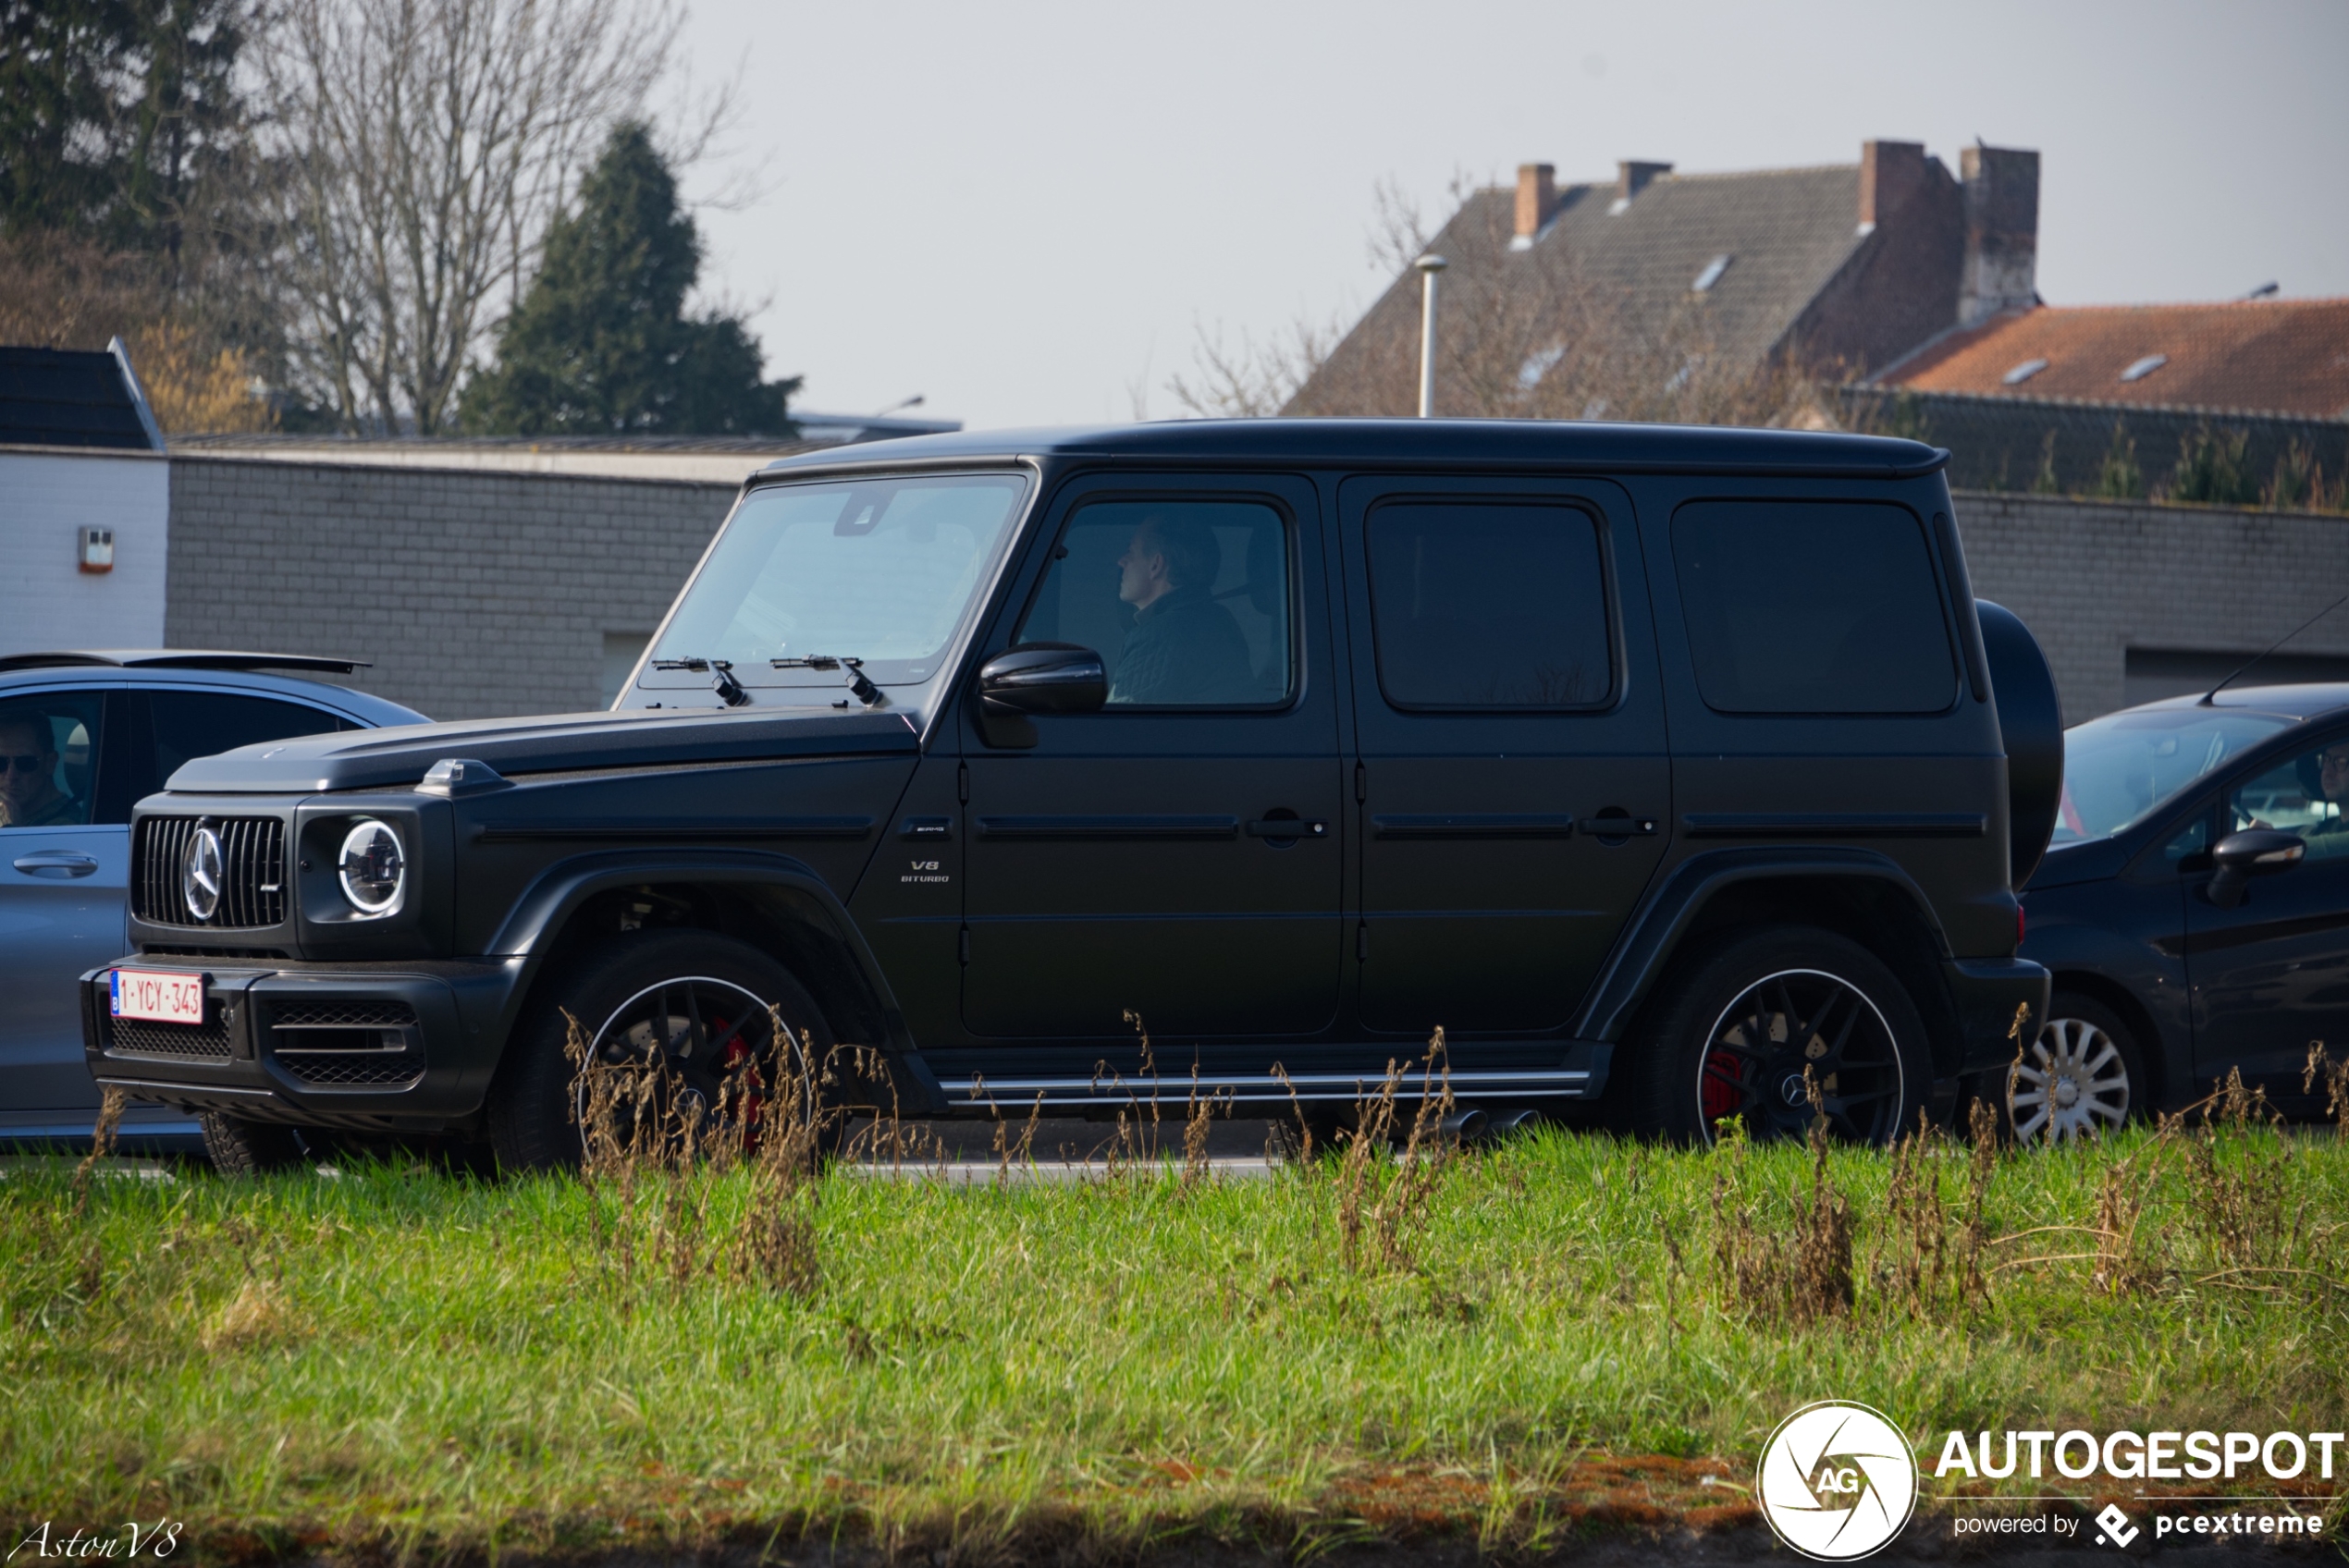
2119,767
879,569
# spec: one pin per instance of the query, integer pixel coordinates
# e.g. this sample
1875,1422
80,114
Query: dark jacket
1183,647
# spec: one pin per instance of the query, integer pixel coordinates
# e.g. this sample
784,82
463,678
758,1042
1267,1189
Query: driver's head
1166,553
2333,772
28,761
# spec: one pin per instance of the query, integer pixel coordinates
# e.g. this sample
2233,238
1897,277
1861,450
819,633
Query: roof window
2023,372
1538,364
1712,273
2145,367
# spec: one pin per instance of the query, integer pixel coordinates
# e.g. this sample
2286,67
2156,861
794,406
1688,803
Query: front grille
252,870
388,1013
352,1069
137,1037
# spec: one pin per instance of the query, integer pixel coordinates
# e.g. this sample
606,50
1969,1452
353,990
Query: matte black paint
1316,884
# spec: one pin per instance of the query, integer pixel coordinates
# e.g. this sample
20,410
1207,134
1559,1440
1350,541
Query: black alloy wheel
1795,1035
700,1010
1776,1028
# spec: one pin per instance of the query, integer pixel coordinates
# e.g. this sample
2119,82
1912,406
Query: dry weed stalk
1380,1193
1199,1115
2335,1077
2237,1206
650,1149
1920,1264
1800,1274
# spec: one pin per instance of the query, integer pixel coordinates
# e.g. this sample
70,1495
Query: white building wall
46,600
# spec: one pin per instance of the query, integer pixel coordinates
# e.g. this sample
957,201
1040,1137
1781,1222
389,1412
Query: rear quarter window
1812,607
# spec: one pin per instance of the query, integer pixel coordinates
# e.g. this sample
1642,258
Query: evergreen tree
600,343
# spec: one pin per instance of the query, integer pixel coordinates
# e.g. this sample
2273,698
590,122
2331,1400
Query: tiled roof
1787,233
2278,356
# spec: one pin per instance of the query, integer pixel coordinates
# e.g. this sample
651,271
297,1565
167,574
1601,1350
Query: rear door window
204,724
1489,605
1812,607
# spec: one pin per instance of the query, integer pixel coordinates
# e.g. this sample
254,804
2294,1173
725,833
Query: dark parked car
1661,762
82,737
2193,907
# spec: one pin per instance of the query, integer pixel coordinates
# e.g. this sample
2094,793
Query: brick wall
2095,578
474,594
482,594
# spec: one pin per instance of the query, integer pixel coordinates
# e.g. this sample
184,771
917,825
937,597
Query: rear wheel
1753,1025
701,1007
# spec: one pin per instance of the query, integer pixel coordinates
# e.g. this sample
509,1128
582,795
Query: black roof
1666,448
2300,701
69,398
179,658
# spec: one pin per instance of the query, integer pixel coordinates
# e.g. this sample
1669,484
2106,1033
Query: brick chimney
1630,178
2002,232
1537,200
1890,173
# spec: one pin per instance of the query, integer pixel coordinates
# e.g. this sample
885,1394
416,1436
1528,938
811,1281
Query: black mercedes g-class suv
1659,761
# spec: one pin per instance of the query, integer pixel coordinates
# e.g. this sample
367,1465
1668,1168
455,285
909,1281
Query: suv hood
377,759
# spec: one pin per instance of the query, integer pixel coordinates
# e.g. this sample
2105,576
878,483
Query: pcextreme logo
1836,1481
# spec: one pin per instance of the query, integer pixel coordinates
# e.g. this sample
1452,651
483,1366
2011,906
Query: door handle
1287,827
57,865
1619,827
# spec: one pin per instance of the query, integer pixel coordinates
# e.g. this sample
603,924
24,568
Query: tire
614,990
251,1148
1859,1030
2084,1075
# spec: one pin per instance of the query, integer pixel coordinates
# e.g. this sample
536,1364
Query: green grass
405,1360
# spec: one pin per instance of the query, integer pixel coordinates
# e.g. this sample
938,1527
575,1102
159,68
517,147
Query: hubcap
2072,1084
1757,1052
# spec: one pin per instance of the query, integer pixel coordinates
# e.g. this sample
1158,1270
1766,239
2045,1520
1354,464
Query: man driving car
29,792
1183,646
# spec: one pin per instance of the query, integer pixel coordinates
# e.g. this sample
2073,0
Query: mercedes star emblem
199,874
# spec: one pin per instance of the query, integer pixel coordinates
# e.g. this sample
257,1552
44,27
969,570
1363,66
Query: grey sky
1021,210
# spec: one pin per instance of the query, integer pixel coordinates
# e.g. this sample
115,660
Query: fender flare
560,890
1648,946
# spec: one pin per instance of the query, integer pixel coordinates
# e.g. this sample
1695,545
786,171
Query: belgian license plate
157,998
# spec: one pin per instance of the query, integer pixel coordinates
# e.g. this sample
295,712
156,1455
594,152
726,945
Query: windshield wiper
866,693
722,678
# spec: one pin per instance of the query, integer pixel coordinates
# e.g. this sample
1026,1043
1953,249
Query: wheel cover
2072,1084
705,1035
1758,1047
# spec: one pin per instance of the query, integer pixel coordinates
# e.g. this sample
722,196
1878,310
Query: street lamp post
1428,266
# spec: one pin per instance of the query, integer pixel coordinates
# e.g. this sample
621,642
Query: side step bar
1581,1076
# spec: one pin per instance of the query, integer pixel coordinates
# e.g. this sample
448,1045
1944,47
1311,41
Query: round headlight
374,870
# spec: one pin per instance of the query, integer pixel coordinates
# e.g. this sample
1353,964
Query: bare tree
422,147
1256,380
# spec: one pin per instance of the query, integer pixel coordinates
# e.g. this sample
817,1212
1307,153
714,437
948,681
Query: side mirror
1043,678
2255,851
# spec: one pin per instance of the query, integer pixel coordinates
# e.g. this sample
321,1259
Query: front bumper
404,1047
1988,992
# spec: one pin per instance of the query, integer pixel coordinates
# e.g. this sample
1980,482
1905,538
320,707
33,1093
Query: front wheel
696,1006
1771,1029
